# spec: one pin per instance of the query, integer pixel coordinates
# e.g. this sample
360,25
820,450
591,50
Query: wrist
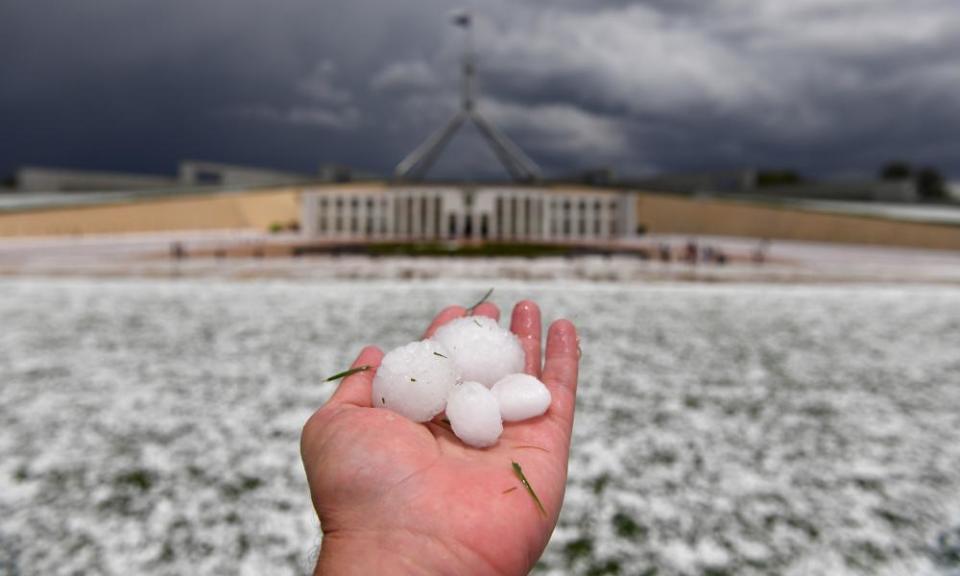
395,553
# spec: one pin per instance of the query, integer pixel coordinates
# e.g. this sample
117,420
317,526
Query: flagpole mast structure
416,165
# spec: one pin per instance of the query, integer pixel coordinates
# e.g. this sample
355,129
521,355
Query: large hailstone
482,351
474,414
521,396
415,380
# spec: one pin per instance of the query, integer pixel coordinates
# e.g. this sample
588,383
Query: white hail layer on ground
152,427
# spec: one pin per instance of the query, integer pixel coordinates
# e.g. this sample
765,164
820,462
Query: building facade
422,213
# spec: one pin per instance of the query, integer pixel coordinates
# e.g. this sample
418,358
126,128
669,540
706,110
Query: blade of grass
482,300
523,480
346,373
532,447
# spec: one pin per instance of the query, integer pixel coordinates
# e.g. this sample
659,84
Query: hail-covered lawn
151,427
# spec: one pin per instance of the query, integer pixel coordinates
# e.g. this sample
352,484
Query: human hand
397,497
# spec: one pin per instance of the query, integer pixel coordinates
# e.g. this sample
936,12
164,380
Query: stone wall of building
666,214
258,210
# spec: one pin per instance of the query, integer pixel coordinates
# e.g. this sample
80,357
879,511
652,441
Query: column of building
417,221
604,215
428,228
309,218
580,217
505,216
629,202
537,219
589,214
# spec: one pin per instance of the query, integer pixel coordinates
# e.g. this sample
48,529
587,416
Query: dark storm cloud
826,86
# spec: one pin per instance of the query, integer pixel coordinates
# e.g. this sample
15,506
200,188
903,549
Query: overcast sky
829,87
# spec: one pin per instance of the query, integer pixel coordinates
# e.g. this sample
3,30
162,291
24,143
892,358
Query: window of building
354,215
582,218
437,216
409,215
370,225
527,216
566,218
383,216
207,177
498,217
322,221
538,217
513,216
397,220
423,216
552,210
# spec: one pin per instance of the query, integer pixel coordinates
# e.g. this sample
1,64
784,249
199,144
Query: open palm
397,497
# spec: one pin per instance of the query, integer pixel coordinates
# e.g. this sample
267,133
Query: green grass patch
580,548
138,478
607,568
626,527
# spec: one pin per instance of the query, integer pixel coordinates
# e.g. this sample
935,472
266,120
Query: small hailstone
474,414
414,380
521,396
482,350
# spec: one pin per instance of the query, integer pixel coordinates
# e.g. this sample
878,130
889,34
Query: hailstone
474,414
521,396
414,380
481,350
